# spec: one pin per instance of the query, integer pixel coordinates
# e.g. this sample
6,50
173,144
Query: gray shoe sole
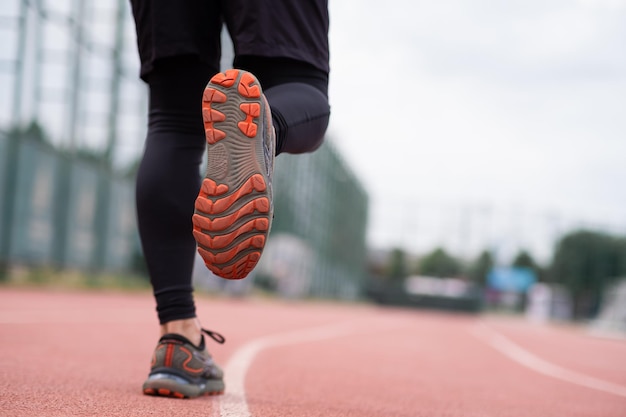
233,210
167,385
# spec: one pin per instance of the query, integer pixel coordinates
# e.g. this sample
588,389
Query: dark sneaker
233,211
183,370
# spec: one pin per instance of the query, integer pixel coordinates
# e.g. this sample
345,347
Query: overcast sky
515,105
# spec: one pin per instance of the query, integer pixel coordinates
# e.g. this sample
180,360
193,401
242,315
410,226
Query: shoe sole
172,389
233,209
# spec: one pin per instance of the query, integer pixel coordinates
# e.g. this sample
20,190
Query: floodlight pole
116,76
20,56
76,74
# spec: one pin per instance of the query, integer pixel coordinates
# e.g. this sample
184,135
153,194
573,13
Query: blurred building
66,200
317,245
612,316
547,302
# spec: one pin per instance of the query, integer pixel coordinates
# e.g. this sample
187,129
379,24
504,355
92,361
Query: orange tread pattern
166,392
241,268
230,226
225,79
221,241
247,86
169,393
256,241
247,126
214,248
261,205
210,115
208,206
210,187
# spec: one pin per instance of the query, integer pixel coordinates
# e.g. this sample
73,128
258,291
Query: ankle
189,328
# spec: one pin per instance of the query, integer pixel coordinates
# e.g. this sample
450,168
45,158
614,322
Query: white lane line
233,403
529,360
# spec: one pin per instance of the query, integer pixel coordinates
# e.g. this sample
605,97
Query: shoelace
214,335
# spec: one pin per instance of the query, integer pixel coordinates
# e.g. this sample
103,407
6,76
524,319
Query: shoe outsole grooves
233,209
164,392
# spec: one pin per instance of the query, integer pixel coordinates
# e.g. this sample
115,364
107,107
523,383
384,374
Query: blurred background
476,157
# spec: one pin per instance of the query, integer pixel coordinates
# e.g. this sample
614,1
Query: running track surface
87,354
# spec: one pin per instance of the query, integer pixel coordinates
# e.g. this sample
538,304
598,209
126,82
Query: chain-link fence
61,210
73,121
317,246
72,67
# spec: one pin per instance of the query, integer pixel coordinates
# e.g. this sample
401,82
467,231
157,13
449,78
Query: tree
585,263
33,131
397,268
478,270
525,260
439,263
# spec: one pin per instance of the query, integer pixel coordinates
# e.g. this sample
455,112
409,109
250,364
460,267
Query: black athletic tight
168,179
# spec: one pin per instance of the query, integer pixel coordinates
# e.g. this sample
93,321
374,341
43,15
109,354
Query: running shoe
182,370
234,209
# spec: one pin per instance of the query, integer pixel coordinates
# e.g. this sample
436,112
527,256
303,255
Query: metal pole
64,190
116,76
76,74
38,64
106,177
12,148
20,56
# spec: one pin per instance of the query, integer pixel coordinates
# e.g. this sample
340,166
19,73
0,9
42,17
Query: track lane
432,367
554,343
70,354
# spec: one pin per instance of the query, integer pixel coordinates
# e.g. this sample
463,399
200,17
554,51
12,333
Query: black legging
168,179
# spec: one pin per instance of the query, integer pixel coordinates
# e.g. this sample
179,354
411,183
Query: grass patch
66,279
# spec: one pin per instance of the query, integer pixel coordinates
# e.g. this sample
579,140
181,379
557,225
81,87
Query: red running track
87,354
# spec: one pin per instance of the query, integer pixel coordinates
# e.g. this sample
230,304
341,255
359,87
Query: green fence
3,191
69,212
317,245
61,210
80,243
120,236
31,227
